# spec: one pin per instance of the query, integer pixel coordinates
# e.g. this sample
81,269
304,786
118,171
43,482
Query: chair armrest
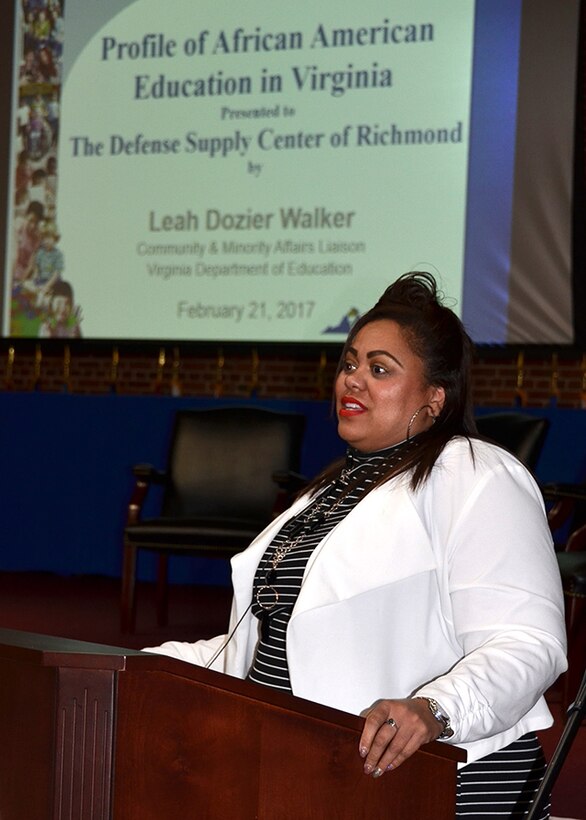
146,472
289,483
289,480
577,541
564,500
145,475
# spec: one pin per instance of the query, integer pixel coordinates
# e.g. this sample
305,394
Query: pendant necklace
318,515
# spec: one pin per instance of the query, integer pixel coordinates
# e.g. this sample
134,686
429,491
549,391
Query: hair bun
417,289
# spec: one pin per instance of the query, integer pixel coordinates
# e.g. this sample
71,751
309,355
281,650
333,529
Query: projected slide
261,172
256,173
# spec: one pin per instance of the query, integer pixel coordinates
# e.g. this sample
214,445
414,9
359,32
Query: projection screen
260,172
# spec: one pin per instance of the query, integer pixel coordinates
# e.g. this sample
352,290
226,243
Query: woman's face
380,387
61,306
32,222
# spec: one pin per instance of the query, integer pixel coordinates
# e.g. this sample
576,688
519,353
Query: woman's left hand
393,731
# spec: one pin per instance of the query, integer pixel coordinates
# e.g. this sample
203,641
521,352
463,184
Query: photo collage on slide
43,304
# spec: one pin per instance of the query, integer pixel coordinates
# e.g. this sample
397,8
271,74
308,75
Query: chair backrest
520,433
221,462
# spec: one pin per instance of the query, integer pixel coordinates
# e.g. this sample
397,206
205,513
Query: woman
415,583
28,240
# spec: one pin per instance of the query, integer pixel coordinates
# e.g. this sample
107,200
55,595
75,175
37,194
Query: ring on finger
391,722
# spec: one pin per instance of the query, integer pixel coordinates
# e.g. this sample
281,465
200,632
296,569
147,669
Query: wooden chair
567,521
521,433
228,470
524,435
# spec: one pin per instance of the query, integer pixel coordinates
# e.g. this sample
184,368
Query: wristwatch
440,716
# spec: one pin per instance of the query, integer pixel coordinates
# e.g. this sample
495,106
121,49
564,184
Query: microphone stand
576,714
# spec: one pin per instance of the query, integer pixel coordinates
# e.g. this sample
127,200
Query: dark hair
37,209
62,288
438,338
38,175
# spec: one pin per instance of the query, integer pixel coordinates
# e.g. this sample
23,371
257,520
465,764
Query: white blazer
452,591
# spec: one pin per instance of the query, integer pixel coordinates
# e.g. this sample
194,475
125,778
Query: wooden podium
94,732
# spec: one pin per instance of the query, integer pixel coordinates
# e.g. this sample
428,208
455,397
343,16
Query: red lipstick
350,406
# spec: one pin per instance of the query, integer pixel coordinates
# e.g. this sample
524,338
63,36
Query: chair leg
163,590
576,648
128,596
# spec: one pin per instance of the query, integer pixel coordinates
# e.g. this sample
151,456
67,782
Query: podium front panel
104,732
186,746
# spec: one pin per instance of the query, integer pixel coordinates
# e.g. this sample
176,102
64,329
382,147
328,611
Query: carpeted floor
86,608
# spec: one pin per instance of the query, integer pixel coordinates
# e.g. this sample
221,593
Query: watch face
441,717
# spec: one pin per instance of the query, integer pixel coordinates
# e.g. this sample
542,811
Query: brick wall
500,378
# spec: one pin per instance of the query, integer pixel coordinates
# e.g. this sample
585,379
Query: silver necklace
320,512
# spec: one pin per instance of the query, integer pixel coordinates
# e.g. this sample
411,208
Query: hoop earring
414,416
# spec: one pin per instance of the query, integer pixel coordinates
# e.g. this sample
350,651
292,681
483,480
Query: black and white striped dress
279,588
501,784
